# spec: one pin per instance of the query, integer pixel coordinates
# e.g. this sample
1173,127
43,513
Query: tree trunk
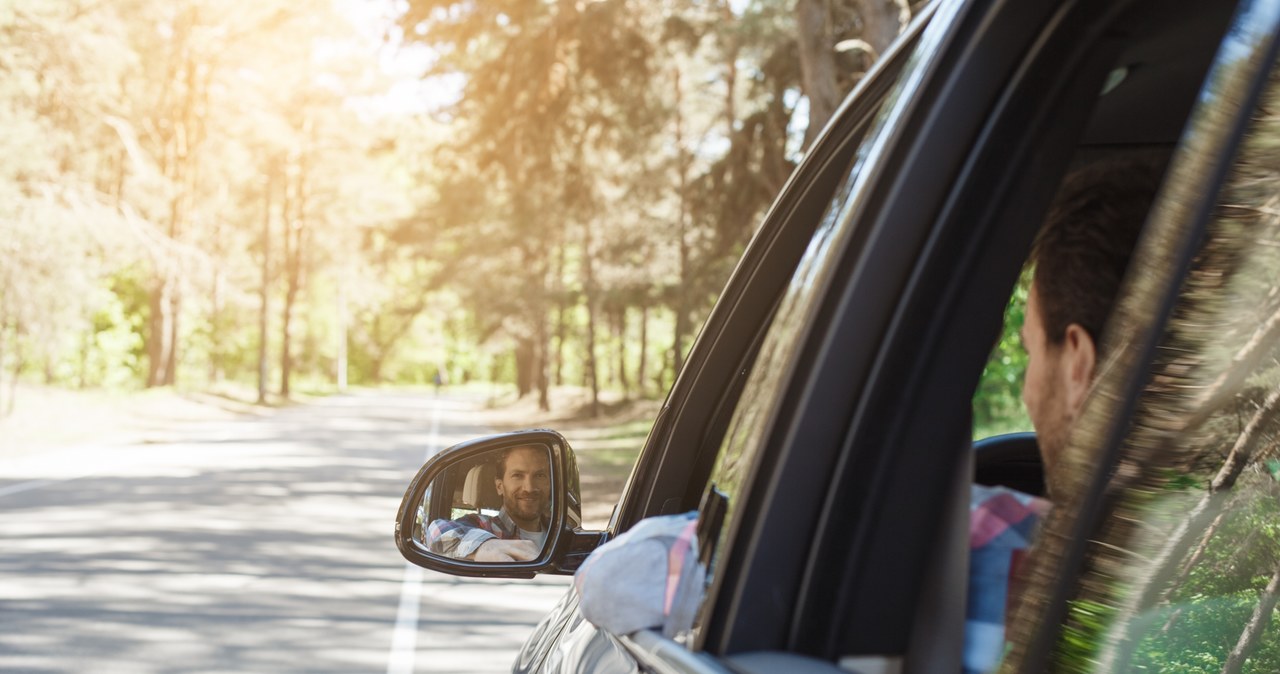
286,325
541,332
660,377
171,357
86,350
732,46
682,290
340,375
1243,364
1242,452
264,310
188,134
291,244
819,77
589,288
641,382
1242,551
1257,624
882,21
524,357
621,333
1200,516
593,378
158,330
215,311
543,361
295,207
562,318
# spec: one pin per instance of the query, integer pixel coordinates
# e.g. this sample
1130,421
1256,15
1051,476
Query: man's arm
458,538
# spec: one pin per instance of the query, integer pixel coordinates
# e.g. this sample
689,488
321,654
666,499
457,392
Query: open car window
1164,556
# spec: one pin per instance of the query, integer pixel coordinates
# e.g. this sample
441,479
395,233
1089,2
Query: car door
672,469
844,472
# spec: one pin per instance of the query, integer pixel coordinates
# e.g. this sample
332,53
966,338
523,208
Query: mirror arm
576,546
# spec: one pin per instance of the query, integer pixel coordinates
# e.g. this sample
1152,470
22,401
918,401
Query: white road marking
404,639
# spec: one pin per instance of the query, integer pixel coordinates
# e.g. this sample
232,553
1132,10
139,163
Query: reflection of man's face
523,486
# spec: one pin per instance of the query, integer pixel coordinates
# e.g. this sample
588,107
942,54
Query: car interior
468,488
1150,59
1164,60
474,489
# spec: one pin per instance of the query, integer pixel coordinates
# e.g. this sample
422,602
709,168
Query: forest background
302,197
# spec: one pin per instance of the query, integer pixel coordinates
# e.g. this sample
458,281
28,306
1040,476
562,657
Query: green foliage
1204,613
1083,634
598,170
997,405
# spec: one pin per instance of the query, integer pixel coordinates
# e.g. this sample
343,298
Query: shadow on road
259,544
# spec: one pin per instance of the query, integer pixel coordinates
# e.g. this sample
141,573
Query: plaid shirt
459,538
1001,524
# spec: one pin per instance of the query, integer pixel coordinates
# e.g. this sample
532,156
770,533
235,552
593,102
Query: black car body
823,419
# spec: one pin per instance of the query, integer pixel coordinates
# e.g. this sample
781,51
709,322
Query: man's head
524,478
1079,257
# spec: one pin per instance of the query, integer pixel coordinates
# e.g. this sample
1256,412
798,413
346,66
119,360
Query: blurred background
261,200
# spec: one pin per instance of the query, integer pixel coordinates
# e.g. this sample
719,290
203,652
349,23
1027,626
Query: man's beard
1053,443
525,508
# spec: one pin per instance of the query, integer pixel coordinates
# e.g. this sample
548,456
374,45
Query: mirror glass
492,507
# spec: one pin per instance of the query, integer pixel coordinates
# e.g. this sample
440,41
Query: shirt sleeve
1002,523
455,538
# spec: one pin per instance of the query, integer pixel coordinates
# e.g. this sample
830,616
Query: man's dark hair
1081,252
502,460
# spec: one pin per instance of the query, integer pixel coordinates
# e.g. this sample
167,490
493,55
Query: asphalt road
252,545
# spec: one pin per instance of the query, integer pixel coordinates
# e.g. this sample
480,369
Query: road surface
250,545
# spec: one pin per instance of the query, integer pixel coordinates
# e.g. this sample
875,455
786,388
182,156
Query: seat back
476,489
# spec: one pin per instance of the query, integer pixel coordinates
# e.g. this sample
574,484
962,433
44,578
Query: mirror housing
566,546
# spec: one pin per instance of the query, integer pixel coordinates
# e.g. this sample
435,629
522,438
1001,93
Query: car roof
1165,59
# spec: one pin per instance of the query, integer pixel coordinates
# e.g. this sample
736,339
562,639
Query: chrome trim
661,655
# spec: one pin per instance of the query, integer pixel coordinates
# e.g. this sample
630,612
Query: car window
744,436
997,404
1182,571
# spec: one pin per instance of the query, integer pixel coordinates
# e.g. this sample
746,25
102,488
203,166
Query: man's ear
1079,356
497,484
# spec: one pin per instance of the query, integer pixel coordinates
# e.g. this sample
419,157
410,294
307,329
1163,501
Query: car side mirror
504,505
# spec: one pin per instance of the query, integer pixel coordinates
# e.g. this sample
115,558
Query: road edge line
404,638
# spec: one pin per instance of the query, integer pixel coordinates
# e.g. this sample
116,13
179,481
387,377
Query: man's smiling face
523,486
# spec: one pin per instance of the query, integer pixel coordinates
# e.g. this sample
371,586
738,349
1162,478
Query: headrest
471,486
